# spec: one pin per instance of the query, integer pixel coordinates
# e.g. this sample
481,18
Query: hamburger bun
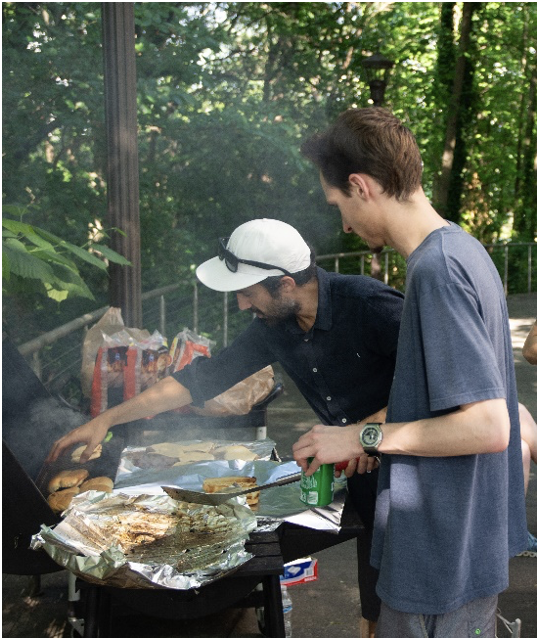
220,485
101,483
60,500
67,478
76,453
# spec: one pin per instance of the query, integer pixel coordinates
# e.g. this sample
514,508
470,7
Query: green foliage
35,261
227,92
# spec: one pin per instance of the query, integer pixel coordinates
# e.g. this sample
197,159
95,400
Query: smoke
31,434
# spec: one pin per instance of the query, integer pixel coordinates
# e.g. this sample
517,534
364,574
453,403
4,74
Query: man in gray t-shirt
450,508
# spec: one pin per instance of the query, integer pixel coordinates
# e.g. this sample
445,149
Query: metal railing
199,308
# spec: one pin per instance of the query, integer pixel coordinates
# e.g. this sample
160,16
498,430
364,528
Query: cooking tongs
200,497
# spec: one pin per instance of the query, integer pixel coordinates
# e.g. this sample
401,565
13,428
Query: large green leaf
83,254
111,255
65,280
25,264
53,257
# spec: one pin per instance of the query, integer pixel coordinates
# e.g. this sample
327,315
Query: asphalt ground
326,608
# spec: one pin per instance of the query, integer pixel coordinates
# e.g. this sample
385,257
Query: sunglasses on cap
232,261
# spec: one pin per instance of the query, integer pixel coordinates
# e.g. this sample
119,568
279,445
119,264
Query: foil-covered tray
148,541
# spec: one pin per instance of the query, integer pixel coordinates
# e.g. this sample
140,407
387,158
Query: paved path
327,608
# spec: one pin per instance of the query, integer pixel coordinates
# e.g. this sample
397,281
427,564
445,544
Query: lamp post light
377,70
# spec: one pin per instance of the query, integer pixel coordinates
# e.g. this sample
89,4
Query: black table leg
273,607
91,612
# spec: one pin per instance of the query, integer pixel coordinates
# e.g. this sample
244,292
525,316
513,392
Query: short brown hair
371,141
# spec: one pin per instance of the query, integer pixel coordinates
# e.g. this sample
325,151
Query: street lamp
377,69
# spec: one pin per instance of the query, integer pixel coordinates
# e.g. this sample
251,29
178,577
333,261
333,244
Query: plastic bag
108,325
238,400
187,346
124,367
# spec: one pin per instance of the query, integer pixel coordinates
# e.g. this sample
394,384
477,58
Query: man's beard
279,310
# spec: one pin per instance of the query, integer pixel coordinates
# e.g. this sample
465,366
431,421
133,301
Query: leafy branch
32,256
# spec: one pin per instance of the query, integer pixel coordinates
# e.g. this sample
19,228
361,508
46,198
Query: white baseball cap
274,244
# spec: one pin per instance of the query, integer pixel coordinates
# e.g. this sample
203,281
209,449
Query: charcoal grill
25,509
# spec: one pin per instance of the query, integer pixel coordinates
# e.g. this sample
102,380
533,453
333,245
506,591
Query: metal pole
122,156
225,319
195,308
162,315
529,268
506,269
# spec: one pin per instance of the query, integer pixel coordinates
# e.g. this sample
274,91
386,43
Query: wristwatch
371,437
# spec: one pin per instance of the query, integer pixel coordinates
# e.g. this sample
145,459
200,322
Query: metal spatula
200,497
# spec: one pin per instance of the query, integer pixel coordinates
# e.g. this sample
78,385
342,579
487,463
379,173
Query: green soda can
318,490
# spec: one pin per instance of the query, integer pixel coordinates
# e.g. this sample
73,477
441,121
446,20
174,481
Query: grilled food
231,483
60,500
67,479
101,483
234,452
76,453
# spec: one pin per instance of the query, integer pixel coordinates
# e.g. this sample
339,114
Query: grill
32,415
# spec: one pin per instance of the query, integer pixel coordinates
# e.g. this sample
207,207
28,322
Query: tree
227,92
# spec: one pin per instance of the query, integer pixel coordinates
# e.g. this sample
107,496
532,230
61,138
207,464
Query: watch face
370,436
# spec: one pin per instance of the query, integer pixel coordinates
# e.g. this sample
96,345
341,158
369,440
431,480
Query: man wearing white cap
335,336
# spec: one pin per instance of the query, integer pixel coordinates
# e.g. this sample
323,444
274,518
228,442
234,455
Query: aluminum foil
128,474
207,544
275,505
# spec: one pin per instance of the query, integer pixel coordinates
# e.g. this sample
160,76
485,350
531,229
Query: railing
199,309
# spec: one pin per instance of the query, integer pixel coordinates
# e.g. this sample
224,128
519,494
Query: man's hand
363,464
327,445
91,434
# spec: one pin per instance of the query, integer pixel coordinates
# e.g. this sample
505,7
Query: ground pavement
327,608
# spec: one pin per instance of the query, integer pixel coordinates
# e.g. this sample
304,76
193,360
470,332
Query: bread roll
67,478
101,483
217,485
220,485
76,454
60,500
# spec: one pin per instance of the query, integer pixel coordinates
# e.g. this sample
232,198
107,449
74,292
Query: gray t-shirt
446,527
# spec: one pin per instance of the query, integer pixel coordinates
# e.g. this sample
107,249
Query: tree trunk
443,182
525,217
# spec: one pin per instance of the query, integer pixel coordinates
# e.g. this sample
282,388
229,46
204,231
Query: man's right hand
91,434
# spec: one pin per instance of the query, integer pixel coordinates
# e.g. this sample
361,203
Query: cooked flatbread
199,446
169,449
193,456
235,452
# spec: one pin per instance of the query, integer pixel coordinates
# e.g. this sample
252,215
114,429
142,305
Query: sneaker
530,552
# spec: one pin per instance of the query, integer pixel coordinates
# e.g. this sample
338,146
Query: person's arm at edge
475,428
165,395
530,348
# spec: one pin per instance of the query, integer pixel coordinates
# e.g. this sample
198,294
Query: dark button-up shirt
343,365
